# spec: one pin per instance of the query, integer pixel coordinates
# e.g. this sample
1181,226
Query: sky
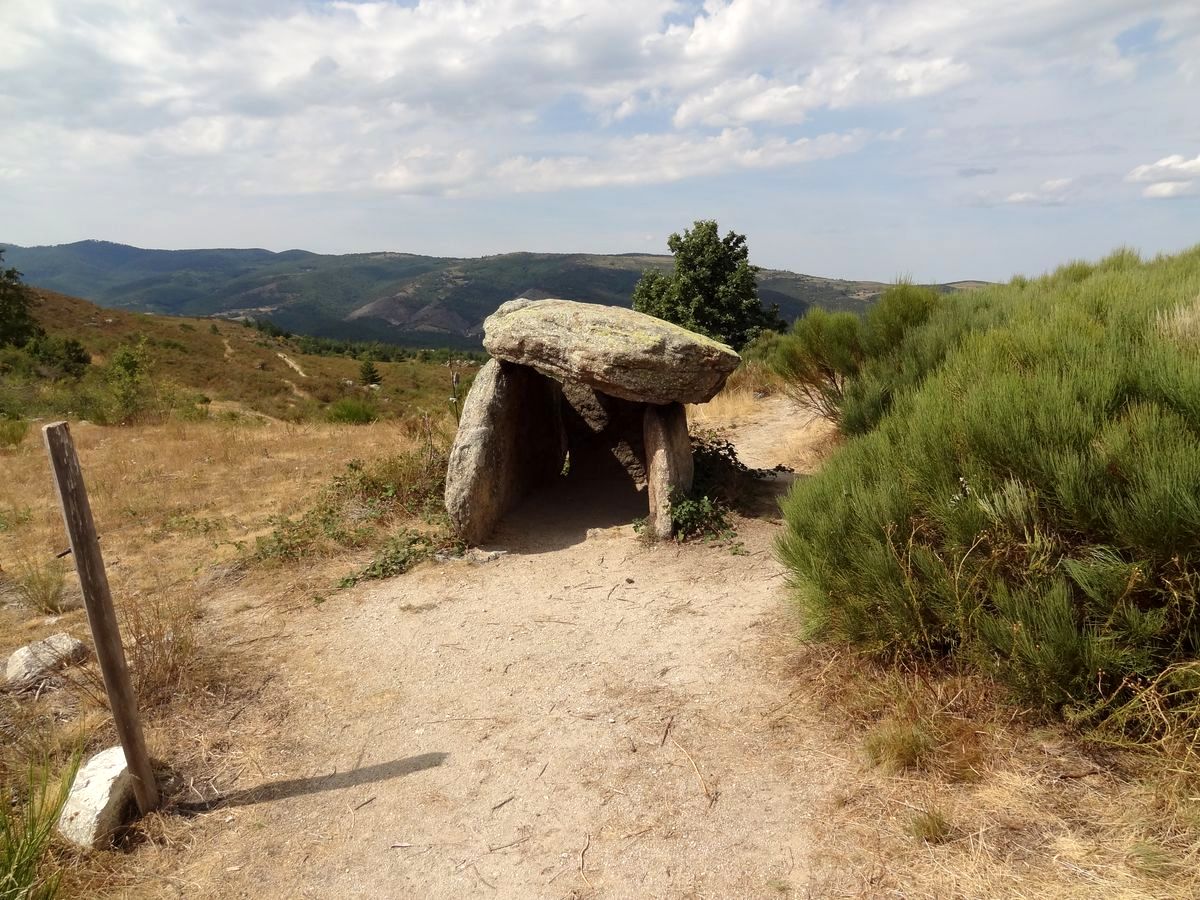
924,138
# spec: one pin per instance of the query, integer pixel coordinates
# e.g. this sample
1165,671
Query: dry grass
731,407
42,585
1181,325
958,794
179,507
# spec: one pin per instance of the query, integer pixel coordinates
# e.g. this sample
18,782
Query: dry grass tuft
962,795
1181,324
931,826
42,586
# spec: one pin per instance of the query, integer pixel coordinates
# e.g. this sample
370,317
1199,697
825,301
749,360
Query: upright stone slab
668,462
604,435
510,440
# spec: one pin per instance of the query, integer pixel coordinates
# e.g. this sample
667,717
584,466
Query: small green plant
127,372
700,517
26,827
399,554
15,516
931,826
352,411
42,587
12,432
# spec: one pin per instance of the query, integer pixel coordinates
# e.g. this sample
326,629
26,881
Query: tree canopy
713,289
17,325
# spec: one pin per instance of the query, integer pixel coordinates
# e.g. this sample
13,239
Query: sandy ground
586,715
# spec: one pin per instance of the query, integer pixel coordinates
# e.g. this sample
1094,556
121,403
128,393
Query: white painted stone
100,802
43,657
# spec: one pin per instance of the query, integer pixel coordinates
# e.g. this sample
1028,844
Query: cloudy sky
942,140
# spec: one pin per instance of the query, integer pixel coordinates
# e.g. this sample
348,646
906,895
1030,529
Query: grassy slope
418,300
239,364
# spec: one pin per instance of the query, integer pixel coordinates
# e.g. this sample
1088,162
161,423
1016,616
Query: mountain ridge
402,298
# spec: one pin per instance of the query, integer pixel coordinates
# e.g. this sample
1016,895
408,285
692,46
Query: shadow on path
298,787
560,514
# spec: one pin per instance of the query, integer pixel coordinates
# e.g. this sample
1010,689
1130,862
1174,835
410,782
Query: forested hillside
402,298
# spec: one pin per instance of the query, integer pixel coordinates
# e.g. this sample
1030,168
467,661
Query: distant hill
400,298
241,368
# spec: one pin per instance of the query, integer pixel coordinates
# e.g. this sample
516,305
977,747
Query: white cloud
229,99
1164,189
1167,167
1053,192
649,159
1171,176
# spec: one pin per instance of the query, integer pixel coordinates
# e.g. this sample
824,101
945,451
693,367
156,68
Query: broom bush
1024,489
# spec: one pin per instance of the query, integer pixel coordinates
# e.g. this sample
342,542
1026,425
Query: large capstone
616,351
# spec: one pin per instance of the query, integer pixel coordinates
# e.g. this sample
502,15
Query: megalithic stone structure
605,385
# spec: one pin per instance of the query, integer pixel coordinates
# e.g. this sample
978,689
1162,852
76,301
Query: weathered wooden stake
85,547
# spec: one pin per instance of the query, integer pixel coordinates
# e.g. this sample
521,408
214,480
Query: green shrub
355,509
401,552
1025,489
42,587
700,517
352,411
847,368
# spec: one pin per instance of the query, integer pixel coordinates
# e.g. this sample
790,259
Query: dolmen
580,391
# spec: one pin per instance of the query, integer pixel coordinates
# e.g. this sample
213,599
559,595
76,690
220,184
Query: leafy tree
61,356
127,374
368,372
713,289
17,325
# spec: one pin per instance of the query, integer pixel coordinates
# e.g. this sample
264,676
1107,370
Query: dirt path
292,364
585,715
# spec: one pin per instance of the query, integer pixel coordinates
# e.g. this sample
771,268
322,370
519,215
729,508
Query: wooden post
77,516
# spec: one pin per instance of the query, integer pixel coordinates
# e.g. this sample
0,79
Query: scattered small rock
101,801
39,659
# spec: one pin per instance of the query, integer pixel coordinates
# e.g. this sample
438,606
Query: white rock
100,802
42,657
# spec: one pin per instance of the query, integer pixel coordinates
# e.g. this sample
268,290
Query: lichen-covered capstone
616,351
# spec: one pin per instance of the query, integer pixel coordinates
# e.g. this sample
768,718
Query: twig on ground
520,840
364,803
711,795
582,863
666,731
503,802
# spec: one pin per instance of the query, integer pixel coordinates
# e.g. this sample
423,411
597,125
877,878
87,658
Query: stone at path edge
100,801
615,350
42,657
